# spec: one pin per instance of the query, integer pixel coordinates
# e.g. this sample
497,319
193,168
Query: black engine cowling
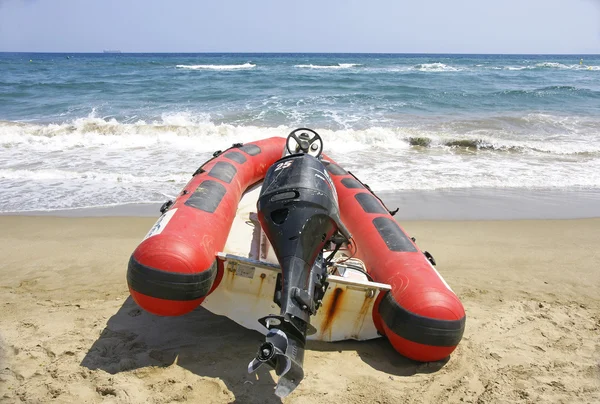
298,211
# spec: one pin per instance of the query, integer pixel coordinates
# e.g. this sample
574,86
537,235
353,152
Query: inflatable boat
278,237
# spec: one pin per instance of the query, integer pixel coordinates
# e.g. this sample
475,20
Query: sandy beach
70,333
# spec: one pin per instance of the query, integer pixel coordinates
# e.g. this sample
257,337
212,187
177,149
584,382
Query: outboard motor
298,211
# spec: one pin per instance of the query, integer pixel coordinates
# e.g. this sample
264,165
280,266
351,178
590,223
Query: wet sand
70,333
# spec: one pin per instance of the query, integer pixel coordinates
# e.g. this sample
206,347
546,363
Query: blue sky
437,26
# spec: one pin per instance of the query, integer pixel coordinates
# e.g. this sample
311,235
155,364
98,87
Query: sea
100,130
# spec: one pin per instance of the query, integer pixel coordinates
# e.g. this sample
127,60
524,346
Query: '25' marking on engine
283,165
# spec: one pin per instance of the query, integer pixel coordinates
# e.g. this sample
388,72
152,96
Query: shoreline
417,205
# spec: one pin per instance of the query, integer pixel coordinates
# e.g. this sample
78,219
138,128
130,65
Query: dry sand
70,333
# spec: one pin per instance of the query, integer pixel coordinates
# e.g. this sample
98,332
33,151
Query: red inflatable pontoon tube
174,268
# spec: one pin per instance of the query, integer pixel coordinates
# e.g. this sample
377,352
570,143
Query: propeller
282,354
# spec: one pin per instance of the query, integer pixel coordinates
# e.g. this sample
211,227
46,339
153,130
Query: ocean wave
484,176
549,91
177,132
94,161
96,176
180,131
188,132
527,147
566,124
528,126
435,67
467,144
52,209
423,67
334,67
553,65
246,65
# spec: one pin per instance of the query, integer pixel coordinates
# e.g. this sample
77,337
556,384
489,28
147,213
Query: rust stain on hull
230,275
262,281
362,314
332,310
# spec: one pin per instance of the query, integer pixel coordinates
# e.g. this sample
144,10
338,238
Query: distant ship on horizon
112,51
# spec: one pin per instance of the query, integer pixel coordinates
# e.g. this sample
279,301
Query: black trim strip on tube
420,329
223,171
207,196
169,285
394,237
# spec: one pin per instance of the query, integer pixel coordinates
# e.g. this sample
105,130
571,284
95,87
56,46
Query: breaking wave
435,67
550,91
61,175
186,132
99,162
553,65
333,67
217,67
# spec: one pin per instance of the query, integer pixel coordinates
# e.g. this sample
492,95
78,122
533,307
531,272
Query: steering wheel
304,140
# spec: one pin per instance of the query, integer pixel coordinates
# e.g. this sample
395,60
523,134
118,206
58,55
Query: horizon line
115,52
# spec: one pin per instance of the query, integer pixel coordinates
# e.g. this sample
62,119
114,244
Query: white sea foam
394,69
180,131
189,132
334,67
553,65
458,171
436,67
96,176
93,161
246,65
